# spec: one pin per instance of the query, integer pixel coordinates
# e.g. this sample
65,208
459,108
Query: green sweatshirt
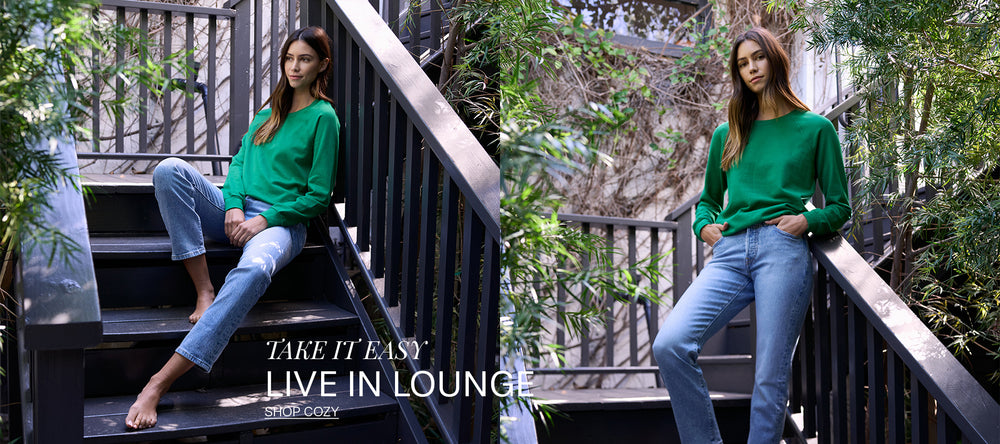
294,172
781,164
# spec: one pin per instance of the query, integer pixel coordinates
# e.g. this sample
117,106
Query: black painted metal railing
867,365
157,119
641,240
423,206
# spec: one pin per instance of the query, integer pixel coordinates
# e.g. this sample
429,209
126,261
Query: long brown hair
281,97
743,105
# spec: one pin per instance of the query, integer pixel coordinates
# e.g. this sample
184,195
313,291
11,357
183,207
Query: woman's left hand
247,229
795,225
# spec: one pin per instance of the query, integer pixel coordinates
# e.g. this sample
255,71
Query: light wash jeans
761,264
193,210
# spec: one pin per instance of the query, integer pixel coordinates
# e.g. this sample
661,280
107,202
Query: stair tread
623,398
224,410
157,246
172,322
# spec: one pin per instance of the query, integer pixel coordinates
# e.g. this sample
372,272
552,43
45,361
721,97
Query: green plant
45,46
929,75
492,80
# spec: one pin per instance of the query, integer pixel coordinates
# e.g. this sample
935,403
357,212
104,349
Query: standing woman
769,157
281,178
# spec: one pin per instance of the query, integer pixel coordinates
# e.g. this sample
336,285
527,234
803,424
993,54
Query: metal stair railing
123,142
422,209
866,364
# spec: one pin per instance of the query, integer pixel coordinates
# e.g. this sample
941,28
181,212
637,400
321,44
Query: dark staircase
145,299
645,415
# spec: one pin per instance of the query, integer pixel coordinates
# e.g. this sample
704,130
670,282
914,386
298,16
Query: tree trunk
900,216
456,32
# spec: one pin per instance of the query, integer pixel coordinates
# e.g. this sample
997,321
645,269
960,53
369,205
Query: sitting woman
281,178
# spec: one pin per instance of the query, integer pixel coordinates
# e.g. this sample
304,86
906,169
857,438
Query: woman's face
302,65
753,66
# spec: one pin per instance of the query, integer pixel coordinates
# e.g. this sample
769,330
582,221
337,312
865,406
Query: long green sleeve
294,172
783,161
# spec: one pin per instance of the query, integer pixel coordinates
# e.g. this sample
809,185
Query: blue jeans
193,211
763,265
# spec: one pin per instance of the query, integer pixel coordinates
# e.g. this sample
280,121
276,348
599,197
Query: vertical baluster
239,85
823,363
856,357
258,50
897,408
190,78
436,24
560,311
609,300
143,90
876,387
838,387
393,14
653,314
683,246
633,327
380,164
699,256
119,85
168,117
291,26
368,85
276,64
328,17
428,231
95,100
472,250
808,345
947,431
411,230
446,274
795,387
344,82
355,127
488,331
919,433
585,296
397,148
211,125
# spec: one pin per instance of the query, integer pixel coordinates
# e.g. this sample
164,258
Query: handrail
421,212
172,7
472,169
59,313
964,401
59,303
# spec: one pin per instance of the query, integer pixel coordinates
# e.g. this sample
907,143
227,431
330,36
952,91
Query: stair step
158,247
172,323
623,399
228,409
630,415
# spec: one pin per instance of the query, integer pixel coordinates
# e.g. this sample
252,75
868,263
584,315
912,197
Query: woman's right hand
234,217
711,233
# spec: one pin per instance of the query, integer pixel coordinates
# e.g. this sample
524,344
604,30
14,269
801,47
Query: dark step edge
158,247
637,399
201,414
172,323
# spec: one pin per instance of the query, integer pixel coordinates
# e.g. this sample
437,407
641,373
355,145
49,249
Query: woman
768,156
280,179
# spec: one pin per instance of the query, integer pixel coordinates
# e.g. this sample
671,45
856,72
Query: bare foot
142,414
204,300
